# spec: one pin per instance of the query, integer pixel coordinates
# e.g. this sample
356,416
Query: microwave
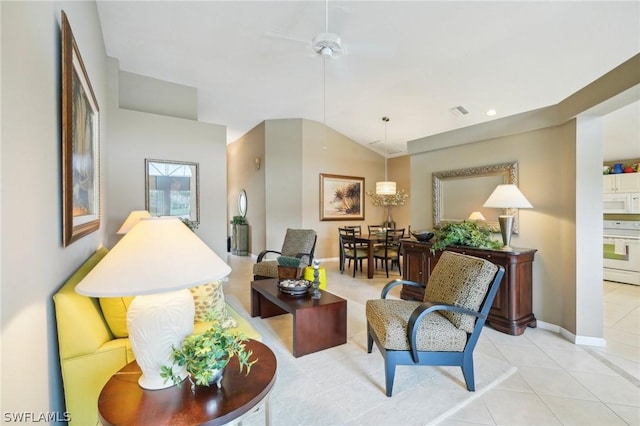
621,202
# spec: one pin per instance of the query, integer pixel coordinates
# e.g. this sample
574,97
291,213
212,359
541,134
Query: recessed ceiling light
491,112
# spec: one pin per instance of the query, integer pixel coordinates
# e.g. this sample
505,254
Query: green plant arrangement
289,267
464,234
205,355
238,220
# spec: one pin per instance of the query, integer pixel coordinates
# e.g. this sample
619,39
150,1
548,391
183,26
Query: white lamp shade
507,196
157,255
131,220
385,188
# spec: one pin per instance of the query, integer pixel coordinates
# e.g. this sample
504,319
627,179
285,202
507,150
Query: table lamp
476,217
507,196
157,261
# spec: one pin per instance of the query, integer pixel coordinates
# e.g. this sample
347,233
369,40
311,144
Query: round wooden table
123,402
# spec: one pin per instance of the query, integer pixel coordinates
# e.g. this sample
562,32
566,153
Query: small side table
123,402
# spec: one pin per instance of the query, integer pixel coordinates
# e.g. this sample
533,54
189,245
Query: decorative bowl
422,235
294,287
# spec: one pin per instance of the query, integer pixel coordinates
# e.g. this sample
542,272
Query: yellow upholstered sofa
89,352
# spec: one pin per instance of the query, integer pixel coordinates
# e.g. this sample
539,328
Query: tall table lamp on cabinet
507,196
157,261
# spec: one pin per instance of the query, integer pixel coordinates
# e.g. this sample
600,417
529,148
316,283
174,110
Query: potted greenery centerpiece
205,355
464,234
238,220
289,267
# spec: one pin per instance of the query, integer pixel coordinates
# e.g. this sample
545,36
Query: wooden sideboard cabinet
511,311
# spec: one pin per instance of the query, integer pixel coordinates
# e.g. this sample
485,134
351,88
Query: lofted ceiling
412,61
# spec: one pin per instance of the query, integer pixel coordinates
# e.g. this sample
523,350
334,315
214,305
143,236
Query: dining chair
375,229
351,249
356,228
389,251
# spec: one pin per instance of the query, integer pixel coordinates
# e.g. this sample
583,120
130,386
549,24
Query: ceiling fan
328,44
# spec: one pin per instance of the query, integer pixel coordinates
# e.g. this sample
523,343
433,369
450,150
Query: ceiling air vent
459,111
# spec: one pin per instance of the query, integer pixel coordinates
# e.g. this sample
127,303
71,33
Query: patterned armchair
297,243
445,327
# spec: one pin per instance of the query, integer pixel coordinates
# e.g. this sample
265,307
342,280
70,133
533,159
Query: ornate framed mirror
458,193
242,203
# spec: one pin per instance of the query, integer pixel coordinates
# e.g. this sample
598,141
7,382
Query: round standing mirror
242,203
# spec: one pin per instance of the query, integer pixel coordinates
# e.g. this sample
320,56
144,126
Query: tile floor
557,382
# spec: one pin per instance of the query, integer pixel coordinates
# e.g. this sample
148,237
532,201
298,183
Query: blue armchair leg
467,372
390,372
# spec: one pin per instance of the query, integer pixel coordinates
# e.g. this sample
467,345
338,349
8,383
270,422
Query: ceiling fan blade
286,37
372,50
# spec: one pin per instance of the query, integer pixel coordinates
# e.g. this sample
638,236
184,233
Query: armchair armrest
395,283
263,253
421,311
301,255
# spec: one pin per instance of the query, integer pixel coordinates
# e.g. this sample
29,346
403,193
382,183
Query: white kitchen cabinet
622,182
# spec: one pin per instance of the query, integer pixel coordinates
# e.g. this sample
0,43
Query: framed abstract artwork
80,144
172,189
341,197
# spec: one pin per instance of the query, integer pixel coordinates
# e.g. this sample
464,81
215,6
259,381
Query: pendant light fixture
387,187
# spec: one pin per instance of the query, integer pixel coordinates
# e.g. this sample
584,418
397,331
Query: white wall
136,136
559,149
146,94
589,141
283,179
621,130
546,178
34,263
285,192
242,173
337,154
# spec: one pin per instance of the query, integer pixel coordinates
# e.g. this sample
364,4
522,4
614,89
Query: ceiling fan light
326,51
385,188
327,44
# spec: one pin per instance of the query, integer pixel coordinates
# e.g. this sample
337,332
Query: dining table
370,241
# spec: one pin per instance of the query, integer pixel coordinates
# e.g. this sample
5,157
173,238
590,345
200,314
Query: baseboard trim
578,340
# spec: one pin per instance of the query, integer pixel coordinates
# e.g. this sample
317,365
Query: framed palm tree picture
341,197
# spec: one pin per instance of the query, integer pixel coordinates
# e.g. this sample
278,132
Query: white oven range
621,251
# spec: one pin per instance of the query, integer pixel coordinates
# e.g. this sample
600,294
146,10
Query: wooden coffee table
123,402
317,323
